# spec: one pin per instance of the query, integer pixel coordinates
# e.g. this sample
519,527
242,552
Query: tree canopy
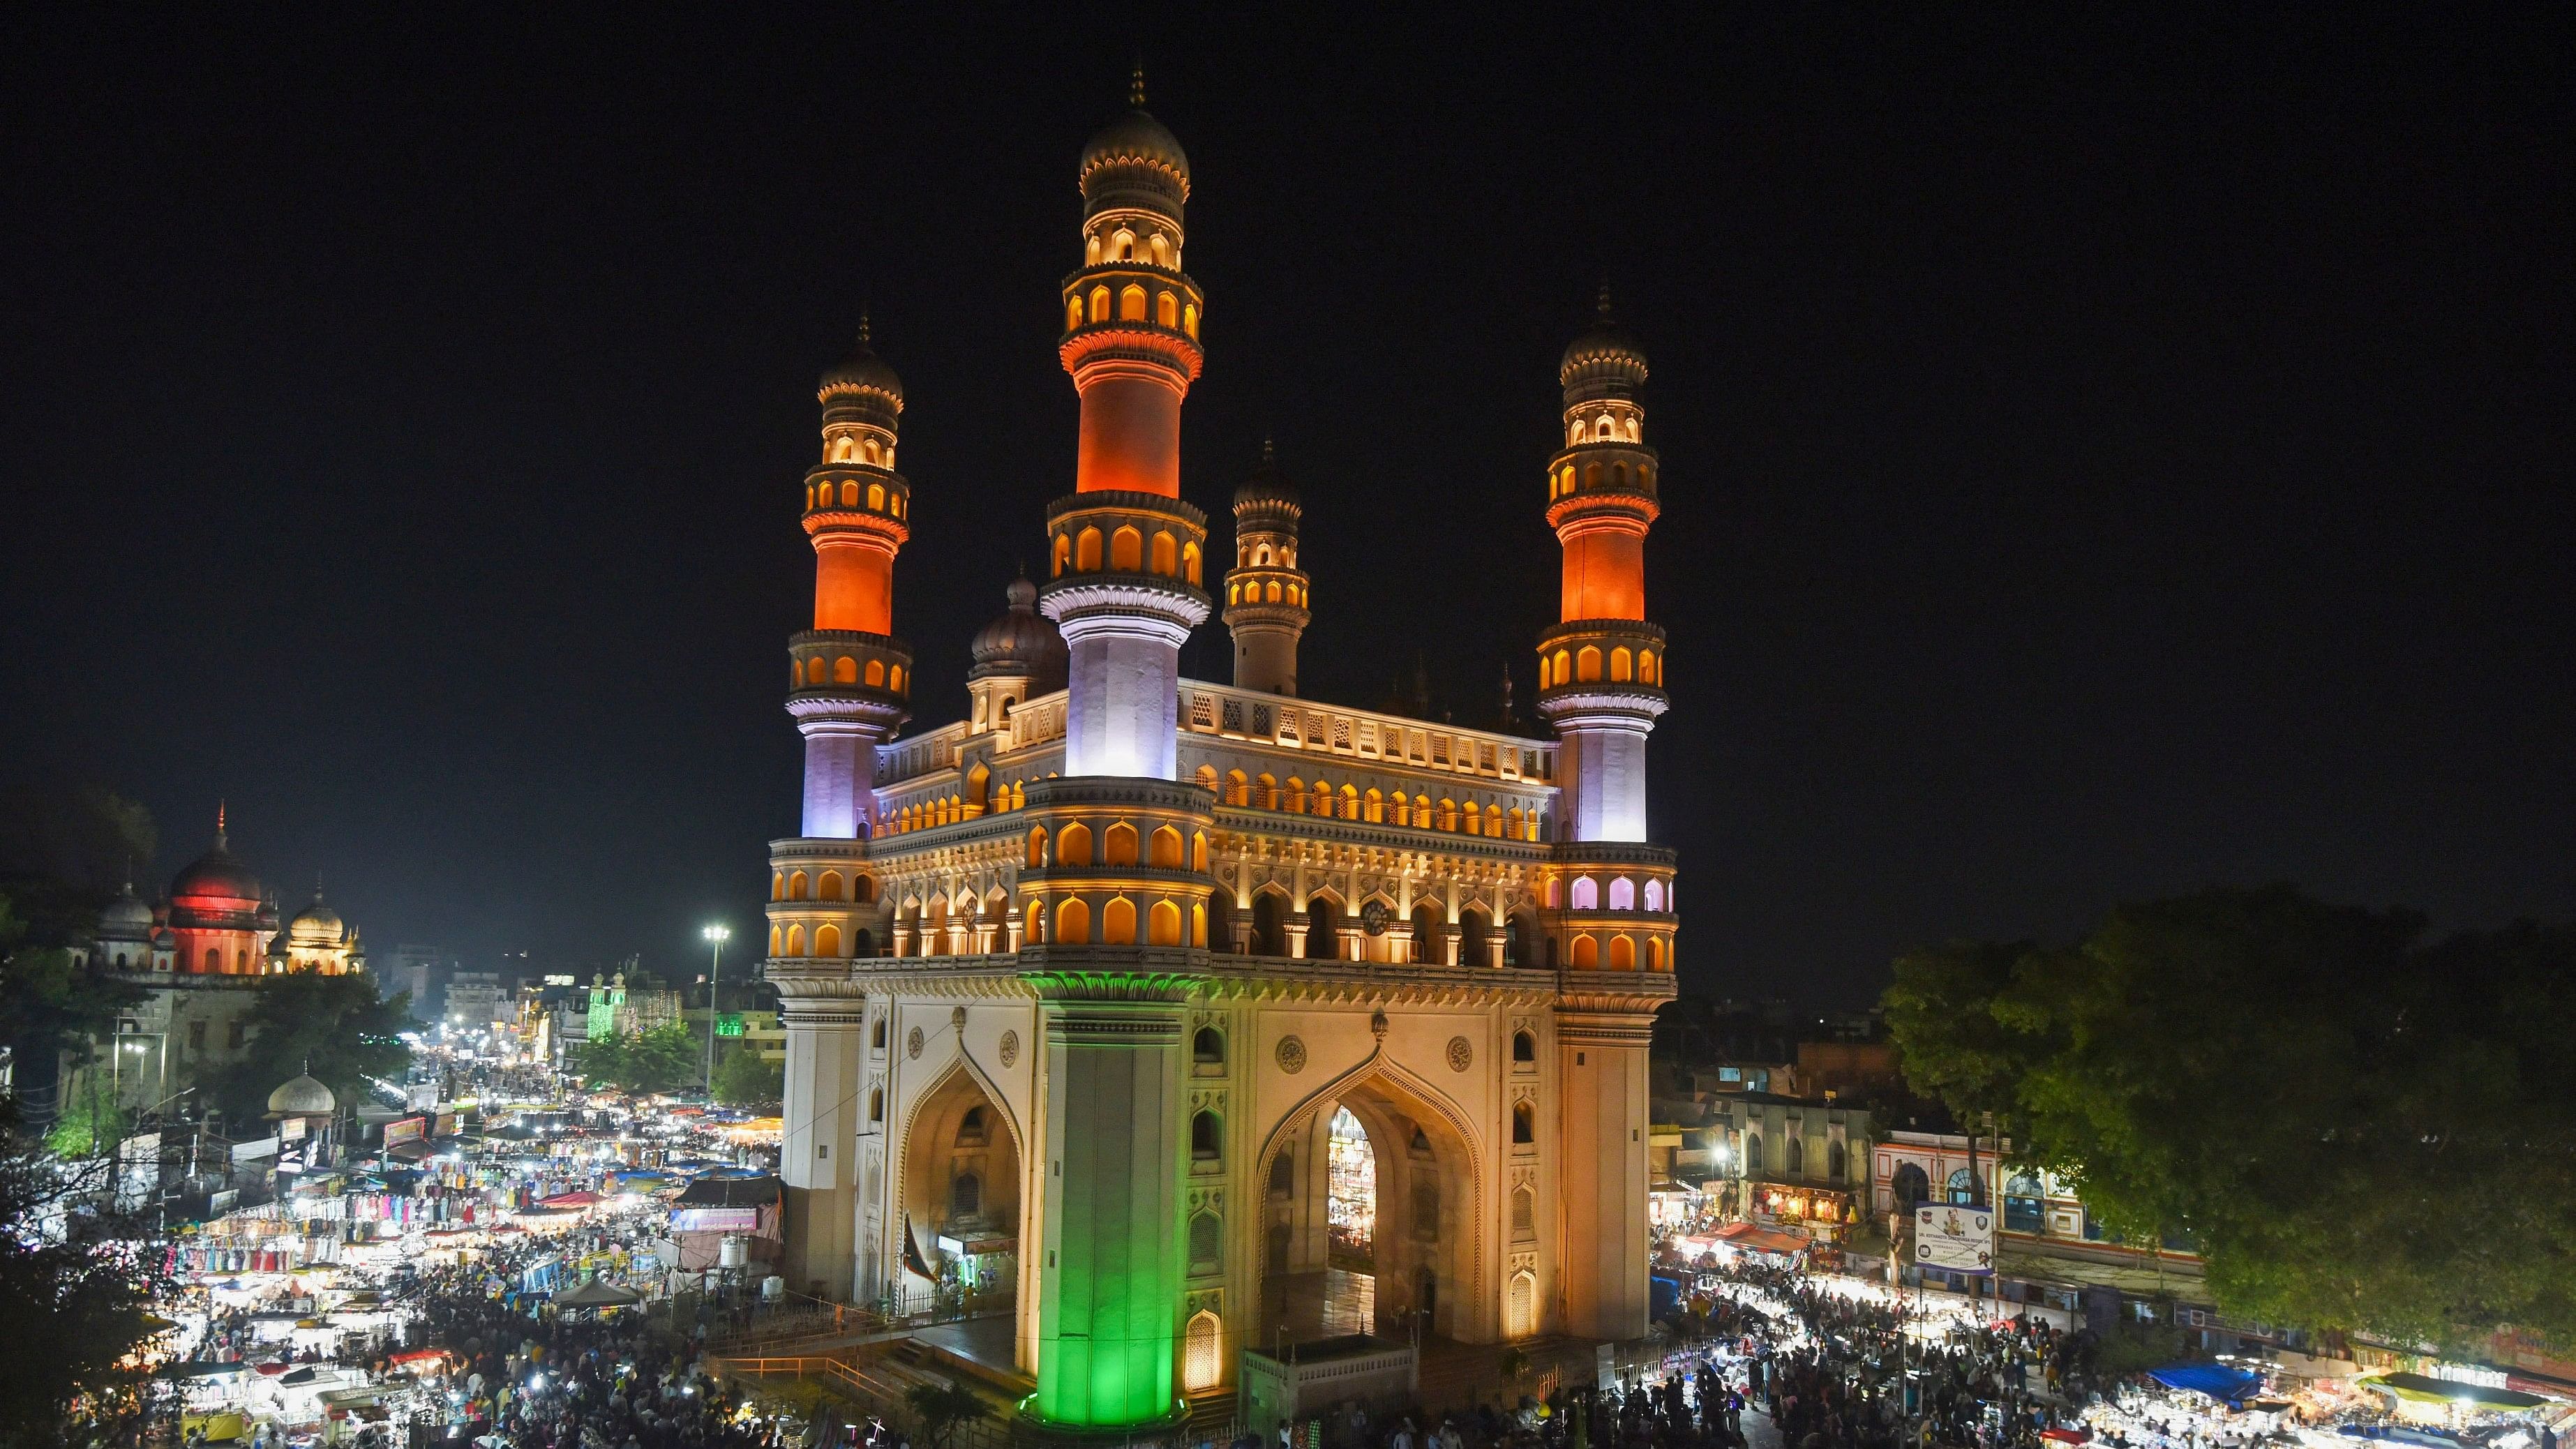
2356,1127
638,1062
78,1280
333,1027
48,1004
743,1079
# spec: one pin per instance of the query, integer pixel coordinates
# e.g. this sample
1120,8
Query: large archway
959,1196
1369,1221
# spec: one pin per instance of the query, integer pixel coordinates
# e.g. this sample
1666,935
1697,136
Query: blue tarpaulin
2216,1380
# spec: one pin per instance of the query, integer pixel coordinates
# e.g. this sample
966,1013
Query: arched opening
1118,846
1207,1048
1524,1124
1911,1187
797,886
1524,1049
1118,922
1072,923
1623,954
1126,550
1323,914
1369,1220
960,1181
1164,558
1587,953
1165,849
1086,551
1163,925
1207,1137
1475,937
1073,845
1426,933
1269,924
1201,1356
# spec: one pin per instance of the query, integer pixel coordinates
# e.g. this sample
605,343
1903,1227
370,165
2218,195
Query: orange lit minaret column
1127,553
1601,670
849,676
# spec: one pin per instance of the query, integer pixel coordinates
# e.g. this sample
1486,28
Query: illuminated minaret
1601,677
1265,591
1601,670
849,675
1124,584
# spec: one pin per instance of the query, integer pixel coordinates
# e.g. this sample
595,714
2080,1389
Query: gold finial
1602,307
219,824
863,326
1266,456
1136,84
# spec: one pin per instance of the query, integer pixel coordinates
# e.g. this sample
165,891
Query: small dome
126,918
1602,351
863,371
1020,640
1268,487
316,925
302,1097
1134,154
216,881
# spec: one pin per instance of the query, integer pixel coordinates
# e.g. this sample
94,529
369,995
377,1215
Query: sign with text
1953,1239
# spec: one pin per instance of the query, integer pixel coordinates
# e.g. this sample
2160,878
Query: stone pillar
1399,943
1601,1174
1296,938
1242,935
818,1156
1109,1296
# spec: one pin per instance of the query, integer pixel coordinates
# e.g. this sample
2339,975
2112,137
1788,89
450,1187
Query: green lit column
1110,1288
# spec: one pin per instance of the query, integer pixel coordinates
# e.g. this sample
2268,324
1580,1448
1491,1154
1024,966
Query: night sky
2098,464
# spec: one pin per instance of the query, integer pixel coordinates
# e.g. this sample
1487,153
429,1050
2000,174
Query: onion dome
1135,161
1021,641
302,1097
1603,360
217,881
126,918
317,925
1268,487
863,371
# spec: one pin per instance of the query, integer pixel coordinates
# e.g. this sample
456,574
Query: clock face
1373,918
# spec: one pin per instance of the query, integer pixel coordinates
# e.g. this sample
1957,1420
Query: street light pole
715,965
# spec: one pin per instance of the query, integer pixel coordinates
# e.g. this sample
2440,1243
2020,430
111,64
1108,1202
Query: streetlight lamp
716,936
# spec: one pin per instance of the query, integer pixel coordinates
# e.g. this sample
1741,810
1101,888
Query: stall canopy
1760,1240
2227,1385
2422,1389
598,1295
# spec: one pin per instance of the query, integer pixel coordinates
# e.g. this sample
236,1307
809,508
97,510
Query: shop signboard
1950,1238
291,1130
252,1151
406,1129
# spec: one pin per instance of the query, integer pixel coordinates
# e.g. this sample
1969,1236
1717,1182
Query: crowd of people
1776,1359
537,1378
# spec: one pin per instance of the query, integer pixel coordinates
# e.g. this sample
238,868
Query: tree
78,1279
2355,1128
638,1063
744,1079
48,1004
943,1408
89,1125
333,1028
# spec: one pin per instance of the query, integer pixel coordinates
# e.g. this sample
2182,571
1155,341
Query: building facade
200,957
1151,997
